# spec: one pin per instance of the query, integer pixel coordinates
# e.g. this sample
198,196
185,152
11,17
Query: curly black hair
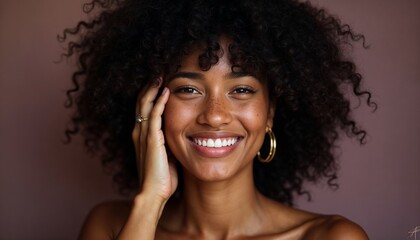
298,49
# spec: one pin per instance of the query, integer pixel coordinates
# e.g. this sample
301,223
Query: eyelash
244,90
186,90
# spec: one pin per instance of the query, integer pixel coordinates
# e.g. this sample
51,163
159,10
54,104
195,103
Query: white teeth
215,143
218,143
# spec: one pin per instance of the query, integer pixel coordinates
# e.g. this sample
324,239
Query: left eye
243,90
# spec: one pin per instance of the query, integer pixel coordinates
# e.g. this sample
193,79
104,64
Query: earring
273,144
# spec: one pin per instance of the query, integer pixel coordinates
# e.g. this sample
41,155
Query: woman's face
215,120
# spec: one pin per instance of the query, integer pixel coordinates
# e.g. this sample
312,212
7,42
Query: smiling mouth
215,143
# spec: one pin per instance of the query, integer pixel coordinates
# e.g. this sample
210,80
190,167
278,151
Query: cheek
170,117
177,116
168,112
254,115
170,124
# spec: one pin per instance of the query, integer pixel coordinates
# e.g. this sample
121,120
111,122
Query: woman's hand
157,173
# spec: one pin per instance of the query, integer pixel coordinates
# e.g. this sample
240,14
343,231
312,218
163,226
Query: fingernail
165,89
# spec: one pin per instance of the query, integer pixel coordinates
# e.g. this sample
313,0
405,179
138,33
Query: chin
212,172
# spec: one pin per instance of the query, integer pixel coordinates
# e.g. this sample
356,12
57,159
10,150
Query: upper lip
214,134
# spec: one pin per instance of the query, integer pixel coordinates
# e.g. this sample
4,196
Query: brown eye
186,90
243,90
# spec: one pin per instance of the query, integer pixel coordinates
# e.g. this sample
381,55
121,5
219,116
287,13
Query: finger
145,103
155,123
155,141
157,171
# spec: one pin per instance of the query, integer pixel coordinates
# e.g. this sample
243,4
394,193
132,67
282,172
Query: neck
221,209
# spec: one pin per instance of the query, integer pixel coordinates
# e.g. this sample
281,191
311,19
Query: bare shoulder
286,222
336,228
105,220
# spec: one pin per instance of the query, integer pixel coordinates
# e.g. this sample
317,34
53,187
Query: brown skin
219,199
107,219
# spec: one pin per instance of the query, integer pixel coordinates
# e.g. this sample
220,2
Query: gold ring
140,118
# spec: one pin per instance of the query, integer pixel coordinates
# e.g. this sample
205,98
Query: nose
216,112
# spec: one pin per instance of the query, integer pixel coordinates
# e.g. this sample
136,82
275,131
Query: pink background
47,188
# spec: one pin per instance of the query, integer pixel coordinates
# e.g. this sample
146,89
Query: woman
231,106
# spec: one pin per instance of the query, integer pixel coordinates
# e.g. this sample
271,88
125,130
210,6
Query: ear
271,113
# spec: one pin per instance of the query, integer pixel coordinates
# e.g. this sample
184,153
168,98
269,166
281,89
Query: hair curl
298,49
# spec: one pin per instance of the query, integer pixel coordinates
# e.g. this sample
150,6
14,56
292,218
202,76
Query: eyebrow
190,75
199,76
239,74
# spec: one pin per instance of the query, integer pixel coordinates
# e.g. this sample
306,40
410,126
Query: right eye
186,90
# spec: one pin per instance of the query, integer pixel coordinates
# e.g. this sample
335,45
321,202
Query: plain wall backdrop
47,188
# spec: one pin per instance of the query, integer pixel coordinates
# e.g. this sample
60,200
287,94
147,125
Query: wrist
153,204
144,217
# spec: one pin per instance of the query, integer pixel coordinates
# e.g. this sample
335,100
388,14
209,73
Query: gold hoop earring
273,144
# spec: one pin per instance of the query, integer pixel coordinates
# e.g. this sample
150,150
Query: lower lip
214,152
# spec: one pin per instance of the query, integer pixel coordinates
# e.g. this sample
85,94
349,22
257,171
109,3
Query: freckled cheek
254,116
